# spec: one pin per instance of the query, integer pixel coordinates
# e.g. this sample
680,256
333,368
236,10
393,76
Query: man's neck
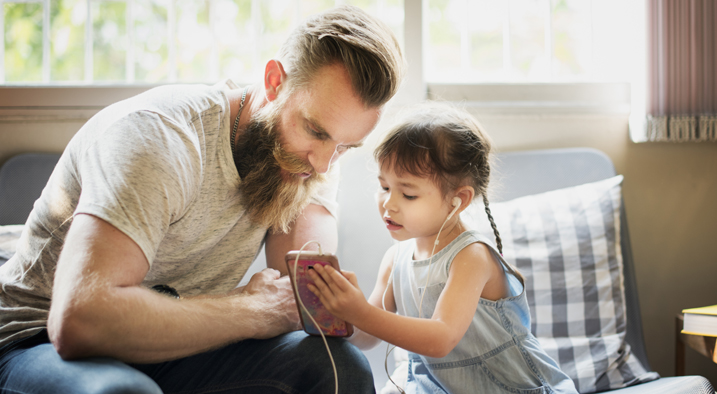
251,104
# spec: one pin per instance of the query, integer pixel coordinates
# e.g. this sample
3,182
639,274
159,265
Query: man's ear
274,77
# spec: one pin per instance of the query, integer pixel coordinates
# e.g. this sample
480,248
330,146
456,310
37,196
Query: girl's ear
274,77
466,194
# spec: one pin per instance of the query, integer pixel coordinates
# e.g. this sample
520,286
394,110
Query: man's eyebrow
325,133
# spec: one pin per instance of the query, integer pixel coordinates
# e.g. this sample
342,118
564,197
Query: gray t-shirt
159,168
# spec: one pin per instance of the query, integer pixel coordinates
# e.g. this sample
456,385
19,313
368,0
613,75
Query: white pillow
567,245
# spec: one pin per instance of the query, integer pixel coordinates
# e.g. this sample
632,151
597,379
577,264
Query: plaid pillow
567,245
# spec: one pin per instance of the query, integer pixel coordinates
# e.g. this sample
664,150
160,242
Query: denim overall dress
498,353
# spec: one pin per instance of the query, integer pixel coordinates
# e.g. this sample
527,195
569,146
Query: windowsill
537,98
71,103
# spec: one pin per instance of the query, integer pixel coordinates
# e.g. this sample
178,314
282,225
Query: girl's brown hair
445,144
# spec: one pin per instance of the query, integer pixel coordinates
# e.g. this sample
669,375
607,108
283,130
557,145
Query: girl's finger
337,278
324,273
333,281
318,282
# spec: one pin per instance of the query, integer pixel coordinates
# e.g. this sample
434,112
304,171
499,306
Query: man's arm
100,309
315,224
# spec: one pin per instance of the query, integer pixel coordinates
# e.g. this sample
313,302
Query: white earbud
456,202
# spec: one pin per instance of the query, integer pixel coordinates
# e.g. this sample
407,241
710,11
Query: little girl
444,292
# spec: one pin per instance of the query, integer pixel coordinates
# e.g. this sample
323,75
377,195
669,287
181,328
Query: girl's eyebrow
408,185
405,184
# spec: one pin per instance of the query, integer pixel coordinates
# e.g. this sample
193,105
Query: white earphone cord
301,303
457,204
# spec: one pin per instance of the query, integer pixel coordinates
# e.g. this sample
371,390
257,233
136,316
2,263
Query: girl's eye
409,197
384,188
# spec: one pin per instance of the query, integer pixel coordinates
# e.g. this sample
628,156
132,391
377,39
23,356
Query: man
175,190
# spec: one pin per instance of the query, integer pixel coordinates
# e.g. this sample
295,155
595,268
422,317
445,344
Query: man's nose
322,159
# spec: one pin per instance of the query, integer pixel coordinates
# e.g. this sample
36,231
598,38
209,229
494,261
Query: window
533,56
504,56
50,42
474,41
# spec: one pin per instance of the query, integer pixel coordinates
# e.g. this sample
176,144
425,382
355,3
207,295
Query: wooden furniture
703,344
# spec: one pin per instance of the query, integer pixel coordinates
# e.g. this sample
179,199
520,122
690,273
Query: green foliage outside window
155,41
23,41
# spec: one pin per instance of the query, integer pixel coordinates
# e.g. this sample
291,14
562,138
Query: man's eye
316,134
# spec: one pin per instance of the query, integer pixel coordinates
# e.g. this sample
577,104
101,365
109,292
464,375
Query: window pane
527,40
572,46
614,39
23,42
486,38
151,32
67,40
311,7
278,18
194,40
109,29
236,40
389,12
443,50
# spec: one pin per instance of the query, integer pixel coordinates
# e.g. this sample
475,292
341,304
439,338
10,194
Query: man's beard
272,197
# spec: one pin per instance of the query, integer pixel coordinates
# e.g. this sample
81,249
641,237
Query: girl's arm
436,336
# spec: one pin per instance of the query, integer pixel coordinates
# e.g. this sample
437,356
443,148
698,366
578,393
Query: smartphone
329,324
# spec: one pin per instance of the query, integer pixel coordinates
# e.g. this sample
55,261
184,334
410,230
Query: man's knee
352,367
107,376
41,370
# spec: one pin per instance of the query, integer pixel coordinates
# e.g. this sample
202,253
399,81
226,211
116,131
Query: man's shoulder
173,101
194,97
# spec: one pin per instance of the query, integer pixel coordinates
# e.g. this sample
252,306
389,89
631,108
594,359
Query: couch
564,225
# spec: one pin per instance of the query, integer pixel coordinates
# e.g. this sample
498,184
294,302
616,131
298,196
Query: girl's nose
388,203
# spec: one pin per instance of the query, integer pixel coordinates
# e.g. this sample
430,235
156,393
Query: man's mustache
291,162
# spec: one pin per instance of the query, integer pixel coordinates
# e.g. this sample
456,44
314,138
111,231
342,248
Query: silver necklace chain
236,121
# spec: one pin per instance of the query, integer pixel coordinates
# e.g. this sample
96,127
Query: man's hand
339,292
276,301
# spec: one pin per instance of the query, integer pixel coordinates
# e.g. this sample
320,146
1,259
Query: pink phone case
330,324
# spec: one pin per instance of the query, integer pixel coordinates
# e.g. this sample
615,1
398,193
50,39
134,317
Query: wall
670,192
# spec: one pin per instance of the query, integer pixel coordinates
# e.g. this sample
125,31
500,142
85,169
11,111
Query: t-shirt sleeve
327,193
139,175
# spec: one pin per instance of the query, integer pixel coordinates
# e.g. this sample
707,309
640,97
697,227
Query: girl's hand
339,292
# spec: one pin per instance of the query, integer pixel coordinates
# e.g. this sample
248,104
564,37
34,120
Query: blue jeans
290,363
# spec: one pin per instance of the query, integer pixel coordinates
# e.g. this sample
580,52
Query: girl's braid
498,241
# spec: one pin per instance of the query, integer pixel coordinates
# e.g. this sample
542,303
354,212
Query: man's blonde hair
347,35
